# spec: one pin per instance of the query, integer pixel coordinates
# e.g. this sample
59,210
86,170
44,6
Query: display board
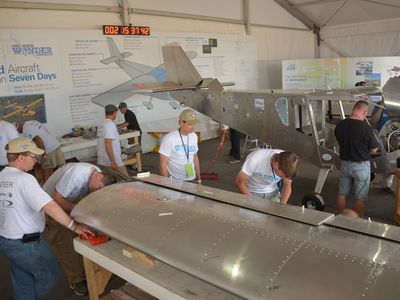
51,75
338,72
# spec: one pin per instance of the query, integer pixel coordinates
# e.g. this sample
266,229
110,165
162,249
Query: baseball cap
189,116
23,144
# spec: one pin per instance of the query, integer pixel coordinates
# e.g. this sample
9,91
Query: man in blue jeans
34,268
356,141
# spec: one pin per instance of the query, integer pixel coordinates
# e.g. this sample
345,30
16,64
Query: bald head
360,110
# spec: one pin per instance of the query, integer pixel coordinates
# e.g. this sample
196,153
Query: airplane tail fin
179,67
115,55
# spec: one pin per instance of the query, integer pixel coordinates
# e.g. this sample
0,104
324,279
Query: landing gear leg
315,200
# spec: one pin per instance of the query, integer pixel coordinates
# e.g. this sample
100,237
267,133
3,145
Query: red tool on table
95,239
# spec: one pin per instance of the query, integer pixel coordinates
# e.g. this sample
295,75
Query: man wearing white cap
178,150
34,268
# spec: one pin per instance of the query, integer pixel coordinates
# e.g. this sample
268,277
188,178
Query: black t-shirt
130,117
355,139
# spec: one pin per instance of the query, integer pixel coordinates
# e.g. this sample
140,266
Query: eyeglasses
35,157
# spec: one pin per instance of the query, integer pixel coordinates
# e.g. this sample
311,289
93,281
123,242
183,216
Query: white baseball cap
23,144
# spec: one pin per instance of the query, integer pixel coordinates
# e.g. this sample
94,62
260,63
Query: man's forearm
197,167
285,193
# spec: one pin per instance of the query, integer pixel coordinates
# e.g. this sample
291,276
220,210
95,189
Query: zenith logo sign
30,49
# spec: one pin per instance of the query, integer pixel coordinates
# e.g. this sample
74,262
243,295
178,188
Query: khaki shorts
54,158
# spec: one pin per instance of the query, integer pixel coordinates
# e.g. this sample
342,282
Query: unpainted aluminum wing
251,254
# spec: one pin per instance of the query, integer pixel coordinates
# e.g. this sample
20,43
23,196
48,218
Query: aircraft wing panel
121,92
247,253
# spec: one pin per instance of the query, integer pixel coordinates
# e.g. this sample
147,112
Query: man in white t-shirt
178,150
53,157
66,186
8,132
262,172
108,143
34,268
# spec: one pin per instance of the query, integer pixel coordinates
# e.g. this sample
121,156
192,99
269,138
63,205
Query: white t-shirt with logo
71,180
108,130
34,128
8,132
22,201
172,147
258,167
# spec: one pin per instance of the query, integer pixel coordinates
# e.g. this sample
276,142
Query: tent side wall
278,34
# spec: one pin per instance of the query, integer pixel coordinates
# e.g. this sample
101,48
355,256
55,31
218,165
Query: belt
357,162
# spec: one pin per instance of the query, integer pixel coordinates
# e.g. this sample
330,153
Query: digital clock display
125,30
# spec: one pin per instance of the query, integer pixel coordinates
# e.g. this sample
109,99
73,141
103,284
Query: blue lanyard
183,144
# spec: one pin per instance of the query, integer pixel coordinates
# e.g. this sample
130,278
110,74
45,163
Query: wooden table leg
138,156
97,278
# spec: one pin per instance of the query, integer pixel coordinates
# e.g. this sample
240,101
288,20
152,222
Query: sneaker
235,161
388,190
79,288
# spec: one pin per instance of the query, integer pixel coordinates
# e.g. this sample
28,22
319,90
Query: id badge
189,169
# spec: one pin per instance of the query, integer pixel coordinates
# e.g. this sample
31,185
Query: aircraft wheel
314,201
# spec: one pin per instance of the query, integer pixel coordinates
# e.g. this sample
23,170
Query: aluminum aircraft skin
290,120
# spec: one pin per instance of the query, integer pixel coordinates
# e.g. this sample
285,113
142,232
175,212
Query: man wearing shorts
356,141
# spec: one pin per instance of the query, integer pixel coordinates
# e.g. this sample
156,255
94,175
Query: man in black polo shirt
131,122
356,141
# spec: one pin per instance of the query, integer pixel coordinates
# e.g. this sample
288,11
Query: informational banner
51,75
333,73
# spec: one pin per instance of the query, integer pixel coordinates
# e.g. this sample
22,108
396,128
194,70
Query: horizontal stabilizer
109,60
126,54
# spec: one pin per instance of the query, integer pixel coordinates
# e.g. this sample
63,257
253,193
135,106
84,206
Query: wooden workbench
159,280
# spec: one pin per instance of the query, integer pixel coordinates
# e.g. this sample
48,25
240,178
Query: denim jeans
235,143
355,175
34,268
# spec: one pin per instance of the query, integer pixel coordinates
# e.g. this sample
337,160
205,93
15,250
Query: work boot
79,288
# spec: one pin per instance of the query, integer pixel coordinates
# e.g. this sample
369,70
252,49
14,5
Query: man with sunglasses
263,172
23,204
66,186
178,150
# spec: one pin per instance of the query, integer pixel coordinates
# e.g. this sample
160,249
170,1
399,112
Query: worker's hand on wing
220,147
82,229
114,166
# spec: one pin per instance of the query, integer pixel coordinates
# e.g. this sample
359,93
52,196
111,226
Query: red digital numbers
125,30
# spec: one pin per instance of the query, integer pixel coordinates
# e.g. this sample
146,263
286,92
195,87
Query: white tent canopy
284,29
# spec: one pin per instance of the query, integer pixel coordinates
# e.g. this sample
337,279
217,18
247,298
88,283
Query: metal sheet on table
308,216
247,253
377,229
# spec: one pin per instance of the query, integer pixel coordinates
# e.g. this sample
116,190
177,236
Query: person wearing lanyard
264,170
178,150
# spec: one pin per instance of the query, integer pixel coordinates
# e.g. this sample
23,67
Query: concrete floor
380,205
